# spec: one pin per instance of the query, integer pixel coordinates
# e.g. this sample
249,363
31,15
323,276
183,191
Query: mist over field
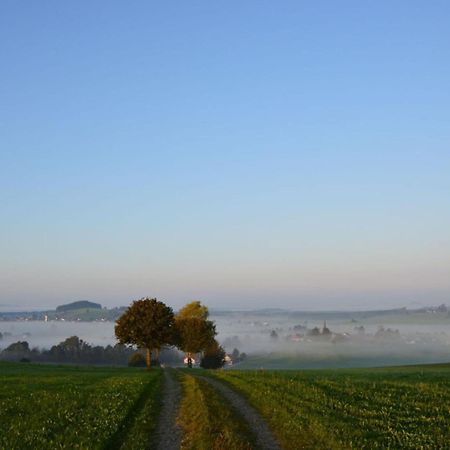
282,339
289,342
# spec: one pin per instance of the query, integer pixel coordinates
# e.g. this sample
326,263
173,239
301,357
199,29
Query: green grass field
404,407
46,406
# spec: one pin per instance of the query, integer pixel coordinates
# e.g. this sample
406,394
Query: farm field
404,407
46,406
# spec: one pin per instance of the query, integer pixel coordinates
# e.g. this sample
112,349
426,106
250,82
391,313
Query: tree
214,357
194,333
72,349
235,354
18,347
148,324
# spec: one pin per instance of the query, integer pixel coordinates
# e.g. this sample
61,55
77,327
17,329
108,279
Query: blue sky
290,154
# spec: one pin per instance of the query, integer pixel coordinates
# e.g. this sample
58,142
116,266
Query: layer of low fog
43,335
277,340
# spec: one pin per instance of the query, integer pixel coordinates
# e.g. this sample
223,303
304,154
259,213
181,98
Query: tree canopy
213,357
147,323
193,310
194,333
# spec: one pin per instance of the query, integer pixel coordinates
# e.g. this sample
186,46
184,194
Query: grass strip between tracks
208,421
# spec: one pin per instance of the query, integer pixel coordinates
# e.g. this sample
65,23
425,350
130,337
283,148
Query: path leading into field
168,432
264,437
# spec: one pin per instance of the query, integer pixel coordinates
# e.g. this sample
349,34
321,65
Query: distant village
301,334
80,311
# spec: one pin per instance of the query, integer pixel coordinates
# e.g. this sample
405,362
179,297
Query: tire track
117,440
264,437
168,433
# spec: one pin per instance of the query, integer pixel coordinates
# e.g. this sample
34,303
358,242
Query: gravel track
264,437
168,432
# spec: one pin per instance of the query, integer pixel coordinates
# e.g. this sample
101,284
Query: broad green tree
148,324
194,332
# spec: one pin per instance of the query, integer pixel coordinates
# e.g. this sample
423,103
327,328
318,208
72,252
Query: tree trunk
149,359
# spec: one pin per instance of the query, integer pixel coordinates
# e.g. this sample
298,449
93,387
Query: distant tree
19,347
73,349
213,357
148,324
314,332
387,334
16,351
193,332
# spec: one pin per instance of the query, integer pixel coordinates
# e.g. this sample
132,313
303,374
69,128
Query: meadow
47,406
389,408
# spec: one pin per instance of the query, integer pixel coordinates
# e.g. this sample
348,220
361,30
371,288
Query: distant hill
83,304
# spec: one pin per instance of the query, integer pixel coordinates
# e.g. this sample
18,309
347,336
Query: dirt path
264,437
168,432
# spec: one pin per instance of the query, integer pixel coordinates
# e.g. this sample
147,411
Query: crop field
71,407
394,408
48,406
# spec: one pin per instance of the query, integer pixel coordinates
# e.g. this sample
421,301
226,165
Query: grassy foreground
391,408
46,406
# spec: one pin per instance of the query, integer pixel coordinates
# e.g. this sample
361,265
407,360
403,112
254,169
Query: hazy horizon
247,155
217,309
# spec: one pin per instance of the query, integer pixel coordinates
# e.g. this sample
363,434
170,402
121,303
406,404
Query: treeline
74,350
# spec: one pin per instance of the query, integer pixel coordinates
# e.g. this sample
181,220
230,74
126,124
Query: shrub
214,357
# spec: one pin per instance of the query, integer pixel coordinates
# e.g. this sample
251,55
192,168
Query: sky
247,154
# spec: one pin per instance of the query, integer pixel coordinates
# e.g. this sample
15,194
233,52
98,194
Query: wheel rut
264,437
168,433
